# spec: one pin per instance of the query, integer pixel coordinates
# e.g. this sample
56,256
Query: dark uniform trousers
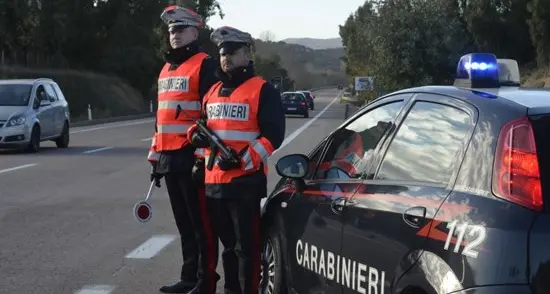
235,216
188,201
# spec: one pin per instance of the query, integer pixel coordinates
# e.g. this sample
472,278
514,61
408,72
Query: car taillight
303,103
516,175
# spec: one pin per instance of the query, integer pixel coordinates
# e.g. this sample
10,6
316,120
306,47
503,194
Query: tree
539,27
408,43
267,36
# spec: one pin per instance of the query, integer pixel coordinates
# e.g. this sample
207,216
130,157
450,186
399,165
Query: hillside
309,68
316,43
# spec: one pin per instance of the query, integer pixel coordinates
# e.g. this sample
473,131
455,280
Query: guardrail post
346,112
89,112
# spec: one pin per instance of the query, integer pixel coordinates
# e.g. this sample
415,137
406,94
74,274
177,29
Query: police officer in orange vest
185,78
245,111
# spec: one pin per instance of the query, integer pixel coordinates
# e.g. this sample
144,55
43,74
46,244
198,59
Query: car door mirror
293,166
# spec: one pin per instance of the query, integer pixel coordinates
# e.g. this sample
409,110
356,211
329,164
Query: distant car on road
295,103
309,98
33,111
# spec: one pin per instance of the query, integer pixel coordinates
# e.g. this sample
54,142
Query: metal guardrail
105,120
150,114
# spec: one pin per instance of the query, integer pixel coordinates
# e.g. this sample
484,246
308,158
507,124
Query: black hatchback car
295,103
429,190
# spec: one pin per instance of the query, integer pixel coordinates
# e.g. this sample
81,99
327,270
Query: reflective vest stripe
185,105
261,149
199,152
153,156
173,129
237,135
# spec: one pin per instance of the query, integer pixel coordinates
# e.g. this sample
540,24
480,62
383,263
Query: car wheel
306,114
34,143
312,106
272,275
63,140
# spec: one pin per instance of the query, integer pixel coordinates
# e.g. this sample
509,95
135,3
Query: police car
428,190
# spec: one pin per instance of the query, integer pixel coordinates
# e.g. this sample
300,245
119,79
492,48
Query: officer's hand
233,163
197,172
154,176
199,140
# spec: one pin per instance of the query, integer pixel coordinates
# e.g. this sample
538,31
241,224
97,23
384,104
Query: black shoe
179,287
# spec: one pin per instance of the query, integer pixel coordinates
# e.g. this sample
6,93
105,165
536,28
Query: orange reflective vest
176,87
234,120
347,159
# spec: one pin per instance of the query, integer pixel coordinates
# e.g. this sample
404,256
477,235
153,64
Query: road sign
364,83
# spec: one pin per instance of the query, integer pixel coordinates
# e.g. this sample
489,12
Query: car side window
427,144
52,97
350,153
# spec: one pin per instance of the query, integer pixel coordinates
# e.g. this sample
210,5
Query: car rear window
541,127
292,97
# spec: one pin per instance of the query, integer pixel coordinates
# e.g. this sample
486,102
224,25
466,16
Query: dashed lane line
97,150
16,168
113,126
151,247
96,289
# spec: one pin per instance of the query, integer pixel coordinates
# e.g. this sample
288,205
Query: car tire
34,143
306,114
63,140
272,265
312,107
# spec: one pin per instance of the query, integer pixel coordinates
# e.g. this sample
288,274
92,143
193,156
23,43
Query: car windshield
15,94
292,97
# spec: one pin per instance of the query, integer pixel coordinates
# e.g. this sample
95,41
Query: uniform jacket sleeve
207,78
271,119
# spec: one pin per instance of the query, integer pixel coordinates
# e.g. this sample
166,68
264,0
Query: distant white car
32,111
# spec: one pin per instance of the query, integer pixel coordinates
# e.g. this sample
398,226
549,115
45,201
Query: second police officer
246,112
185,78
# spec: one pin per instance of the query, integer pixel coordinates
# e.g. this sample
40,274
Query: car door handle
338,205
414,216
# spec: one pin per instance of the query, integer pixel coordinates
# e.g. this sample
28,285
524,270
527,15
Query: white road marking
96,289
114,126
151,247
307,124
97,150
146,139
16,168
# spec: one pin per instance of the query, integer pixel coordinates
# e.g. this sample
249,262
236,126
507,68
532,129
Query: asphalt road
66,219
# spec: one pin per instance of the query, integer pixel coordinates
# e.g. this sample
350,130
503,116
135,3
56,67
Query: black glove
232,163
197,173
199,140
154,176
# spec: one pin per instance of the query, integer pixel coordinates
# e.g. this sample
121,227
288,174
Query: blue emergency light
477,70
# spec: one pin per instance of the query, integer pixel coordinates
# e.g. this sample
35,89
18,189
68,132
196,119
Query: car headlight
16,121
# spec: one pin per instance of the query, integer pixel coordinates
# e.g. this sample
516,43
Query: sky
286,18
